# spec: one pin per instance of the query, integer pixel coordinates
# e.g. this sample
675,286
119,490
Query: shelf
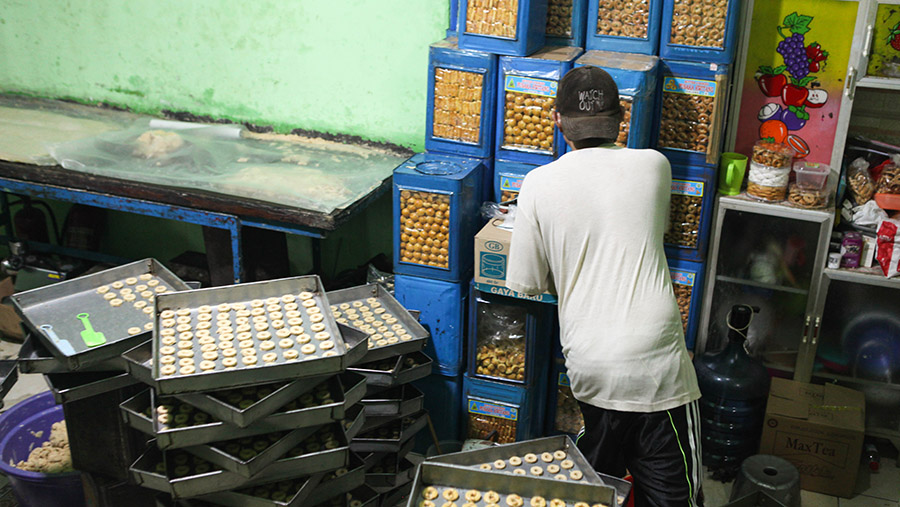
866,276
743,202
882,83
762,285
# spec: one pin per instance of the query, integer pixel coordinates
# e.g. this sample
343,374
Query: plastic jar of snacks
768,183
810,198
773,154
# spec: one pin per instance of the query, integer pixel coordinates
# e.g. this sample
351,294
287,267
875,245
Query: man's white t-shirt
589,227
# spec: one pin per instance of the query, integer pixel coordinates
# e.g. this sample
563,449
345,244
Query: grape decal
793,84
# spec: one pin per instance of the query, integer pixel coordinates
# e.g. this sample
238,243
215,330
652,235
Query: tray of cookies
396,496
390,437
396,402
391,472
34,357
68,387
247,456
286,493
177,424
341,481
183,475
222,337
373,310
326,449
438,483
354,420
93,318
550,458
395,371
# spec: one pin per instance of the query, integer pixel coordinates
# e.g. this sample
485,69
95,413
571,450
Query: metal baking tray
403,471
68,387
9,374
490,455
395,371
144,472
405,430
392,497
217,454
220,377
398,402
364,495
354,420
213,430
393,307
62,307
314,461
443,477
35,358
340,481
374,458
246,497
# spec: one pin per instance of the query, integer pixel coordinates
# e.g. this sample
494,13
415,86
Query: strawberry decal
894,37
793,83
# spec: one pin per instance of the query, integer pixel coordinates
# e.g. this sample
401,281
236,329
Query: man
589,228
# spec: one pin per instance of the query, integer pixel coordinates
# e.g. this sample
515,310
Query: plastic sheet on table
311,174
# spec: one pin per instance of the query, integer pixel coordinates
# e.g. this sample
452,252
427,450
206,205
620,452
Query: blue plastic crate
509,339
443,307
487,182
454,19
508,178
443,400
504,27
566,21
460,106
687,280
528,85
516,413
436,215
690,112
611,28
636,76
712,41
690,212
563,413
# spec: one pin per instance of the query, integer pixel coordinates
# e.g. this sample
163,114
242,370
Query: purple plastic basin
18,429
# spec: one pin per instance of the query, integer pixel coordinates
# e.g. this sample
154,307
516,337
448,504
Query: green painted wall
353,67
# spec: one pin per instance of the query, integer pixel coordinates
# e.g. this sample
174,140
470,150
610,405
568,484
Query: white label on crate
530,85
682,277
493,410
689,86
684,187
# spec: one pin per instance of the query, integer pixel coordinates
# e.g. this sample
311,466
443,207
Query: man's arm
528,270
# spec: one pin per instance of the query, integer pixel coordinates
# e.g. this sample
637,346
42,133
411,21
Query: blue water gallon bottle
735,388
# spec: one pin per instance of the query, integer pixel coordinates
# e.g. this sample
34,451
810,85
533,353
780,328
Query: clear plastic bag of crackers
889,179
860,182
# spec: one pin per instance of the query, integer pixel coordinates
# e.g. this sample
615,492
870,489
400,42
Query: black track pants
661,450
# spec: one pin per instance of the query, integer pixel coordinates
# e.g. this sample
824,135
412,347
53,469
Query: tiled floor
880,489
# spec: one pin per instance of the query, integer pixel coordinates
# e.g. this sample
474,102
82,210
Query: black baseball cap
588,101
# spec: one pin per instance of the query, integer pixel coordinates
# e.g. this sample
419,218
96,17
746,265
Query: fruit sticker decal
794,75
793,84
885,58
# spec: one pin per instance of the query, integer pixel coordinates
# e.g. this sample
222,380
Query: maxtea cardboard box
491,258
819,429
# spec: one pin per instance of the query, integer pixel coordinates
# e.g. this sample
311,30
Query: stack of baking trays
75,333
543,472
393,407
250,401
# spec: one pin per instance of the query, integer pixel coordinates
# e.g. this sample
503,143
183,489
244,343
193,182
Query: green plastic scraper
91,338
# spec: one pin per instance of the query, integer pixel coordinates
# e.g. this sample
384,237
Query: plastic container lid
888,201
438,168
811,176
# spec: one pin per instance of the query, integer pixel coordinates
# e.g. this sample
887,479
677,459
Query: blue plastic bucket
19,427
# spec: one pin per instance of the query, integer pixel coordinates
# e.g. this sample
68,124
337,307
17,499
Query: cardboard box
820,430
10,323
491,258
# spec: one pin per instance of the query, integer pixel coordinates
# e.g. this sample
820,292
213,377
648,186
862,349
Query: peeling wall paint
352,67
